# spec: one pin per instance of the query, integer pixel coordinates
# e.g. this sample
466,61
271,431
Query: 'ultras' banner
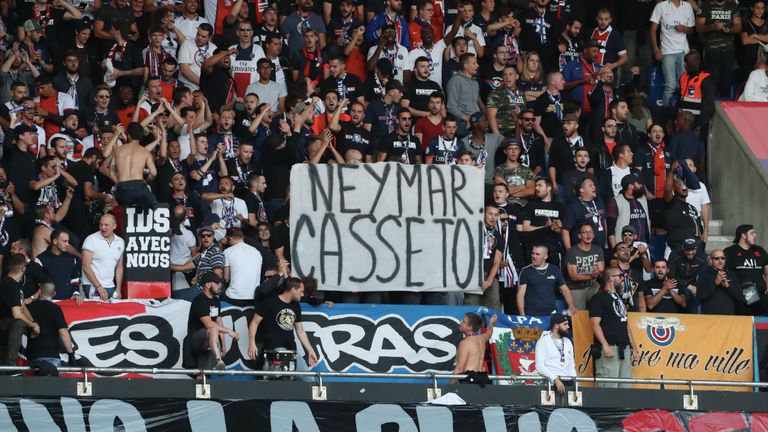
680,346
180,415
349,338
388,226
148,252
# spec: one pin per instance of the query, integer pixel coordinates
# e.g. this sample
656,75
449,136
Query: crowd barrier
395,339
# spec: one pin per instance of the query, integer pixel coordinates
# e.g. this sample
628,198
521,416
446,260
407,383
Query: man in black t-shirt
401,146
205,328
43,351
14,316
662,293
274,321
750,264
543,220
420,88
353,136
608,317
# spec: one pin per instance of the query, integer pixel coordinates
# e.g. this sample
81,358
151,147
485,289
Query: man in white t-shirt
756,89
676,20
103,261
190,20
192,55
231,211
431,50
183,243
267,90
242,268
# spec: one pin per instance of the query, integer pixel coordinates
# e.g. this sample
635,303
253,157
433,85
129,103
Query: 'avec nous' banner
681,346
388,226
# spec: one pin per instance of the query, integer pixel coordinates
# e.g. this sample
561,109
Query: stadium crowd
587,117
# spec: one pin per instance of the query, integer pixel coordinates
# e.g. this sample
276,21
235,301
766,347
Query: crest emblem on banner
661,331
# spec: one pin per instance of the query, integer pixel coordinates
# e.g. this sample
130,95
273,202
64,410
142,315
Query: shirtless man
127,166
471,353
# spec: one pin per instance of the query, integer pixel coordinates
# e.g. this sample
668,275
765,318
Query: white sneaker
219,365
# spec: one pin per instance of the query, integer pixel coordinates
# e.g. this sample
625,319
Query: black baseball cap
557,319
742,229
24,128
628,180
210,277
690,244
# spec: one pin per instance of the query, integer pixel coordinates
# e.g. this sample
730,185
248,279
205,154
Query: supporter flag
513,343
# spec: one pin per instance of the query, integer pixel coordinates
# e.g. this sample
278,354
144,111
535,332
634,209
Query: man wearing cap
296,24
205,328
686,264
209,259
632,262
381,113
35,49
629,208
517,178
69,81
388,48
483,144
580,75
52,104
390,16
750,264
614,345
554,353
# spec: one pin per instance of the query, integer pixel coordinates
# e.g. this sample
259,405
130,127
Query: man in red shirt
51,104
431,126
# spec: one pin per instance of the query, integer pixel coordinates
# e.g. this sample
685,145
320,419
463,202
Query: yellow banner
680,346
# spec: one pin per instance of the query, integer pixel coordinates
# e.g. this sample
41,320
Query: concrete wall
738,183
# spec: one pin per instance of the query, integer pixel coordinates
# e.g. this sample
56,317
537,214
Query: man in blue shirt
538,283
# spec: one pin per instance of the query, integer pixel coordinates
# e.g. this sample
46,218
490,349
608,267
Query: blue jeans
672,67
90,292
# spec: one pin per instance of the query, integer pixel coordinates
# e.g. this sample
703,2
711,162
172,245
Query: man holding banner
493,248
608,317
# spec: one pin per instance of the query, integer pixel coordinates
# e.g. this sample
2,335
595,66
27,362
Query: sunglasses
206,235
718,258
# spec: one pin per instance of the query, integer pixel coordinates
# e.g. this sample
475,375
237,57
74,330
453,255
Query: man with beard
581,75
351,135
254,201
432,125
718,289
11,110
52,105
388,48
531,142
381,113
625,132
517,178
390,16
205,328
543,219
608,318
224,136
83,172
347,86
69,81
564,48
296,24
554,353
241,167
216,80
681,219
537,26
572,179
611,51
588,207
493,247
632,262
193,53
483,145
72,147
430,49
686,265
506,104
664,294
333,108
402,146
629,208
604,93
563,150
232,211
749,262
416,99
584,264
654,161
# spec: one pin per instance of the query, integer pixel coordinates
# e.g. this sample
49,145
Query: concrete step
715,227
718,242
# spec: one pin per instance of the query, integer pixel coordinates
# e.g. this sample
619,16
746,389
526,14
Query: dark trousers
11,330
720,65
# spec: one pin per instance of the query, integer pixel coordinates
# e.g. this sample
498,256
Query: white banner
388,226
